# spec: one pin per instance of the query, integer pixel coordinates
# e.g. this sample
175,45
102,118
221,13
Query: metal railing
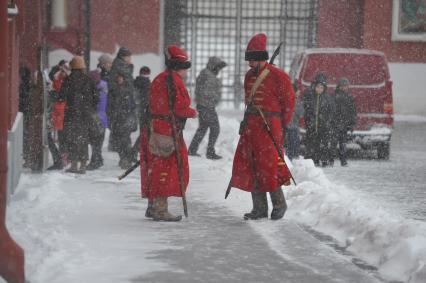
223,28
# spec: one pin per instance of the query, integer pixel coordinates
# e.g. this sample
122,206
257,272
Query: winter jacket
275,97
319,111
160,174
142,86
345,113
208,87
121,103
78,90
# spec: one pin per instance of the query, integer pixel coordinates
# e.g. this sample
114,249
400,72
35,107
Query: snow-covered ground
92,228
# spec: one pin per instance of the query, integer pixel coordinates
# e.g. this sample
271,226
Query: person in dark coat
98,122
121,105
344,118
78,90
207,96
319,109
142,86
292,130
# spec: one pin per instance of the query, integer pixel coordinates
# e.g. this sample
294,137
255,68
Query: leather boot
260,207
161,212
73,168
279,204
149,209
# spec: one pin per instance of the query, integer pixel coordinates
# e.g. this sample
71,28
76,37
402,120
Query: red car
368,72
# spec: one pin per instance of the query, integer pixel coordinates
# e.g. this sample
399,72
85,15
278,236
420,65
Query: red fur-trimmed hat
256,48
176,58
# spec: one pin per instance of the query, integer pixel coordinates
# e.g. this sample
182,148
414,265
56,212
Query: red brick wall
13,66
378,30
339,23
131,23
364,24
31,34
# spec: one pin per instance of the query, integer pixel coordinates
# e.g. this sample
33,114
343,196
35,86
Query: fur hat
176,58
104,59
256,48
77,63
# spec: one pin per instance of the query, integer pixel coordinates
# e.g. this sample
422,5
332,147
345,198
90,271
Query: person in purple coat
99,122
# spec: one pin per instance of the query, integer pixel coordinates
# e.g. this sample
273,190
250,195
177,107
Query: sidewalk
92,228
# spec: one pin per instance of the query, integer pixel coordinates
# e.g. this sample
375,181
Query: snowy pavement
92,228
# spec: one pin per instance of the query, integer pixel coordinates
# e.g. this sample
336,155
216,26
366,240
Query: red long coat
256,161
159,175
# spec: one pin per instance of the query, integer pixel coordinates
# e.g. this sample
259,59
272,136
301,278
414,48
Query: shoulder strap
257,83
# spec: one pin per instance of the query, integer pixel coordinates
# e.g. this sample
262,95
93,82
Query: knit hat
256,48
145,71
77,63
176,58
320,78
123,52
104,59
343,81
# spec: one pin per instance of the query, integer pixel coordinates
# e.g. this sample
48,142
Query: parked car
371,87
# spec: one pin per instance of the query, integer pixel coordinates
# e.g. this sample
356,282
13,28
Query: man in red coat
159,166
257,166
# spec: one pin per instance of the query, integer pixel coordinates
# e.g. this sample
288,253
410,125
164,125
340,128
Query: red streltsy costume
159,175
256,162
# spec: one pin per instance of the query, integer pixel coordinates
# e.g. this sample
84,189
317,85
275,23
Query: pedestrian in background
344,118
78,90
121,105
208,92
56,110
142,87
318,115
292,130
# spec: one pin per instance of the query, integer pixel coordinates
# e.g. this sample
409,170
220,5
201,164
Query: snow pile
395,245
83,228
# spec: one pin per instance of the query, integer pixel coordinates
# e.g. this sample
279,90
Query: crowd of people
83,104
